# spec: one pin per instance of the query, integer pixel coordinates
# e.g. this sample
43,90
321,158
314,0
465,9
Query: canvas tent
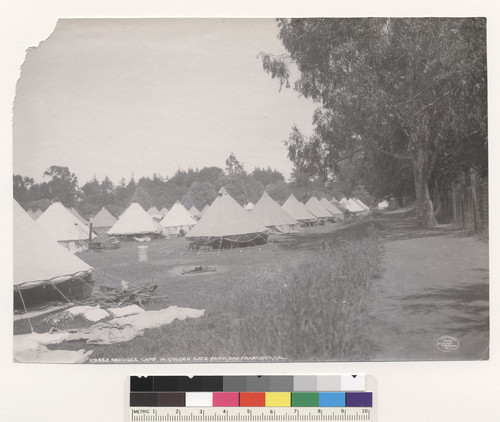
177,219
383,205
227,225
77,215
356,206
103,221
44,270
153,211
249,206
338,214
64,227
32,214
205,208
297,210
194,212
334,200
38,213
164,211
269,213
361,204
318,210
134,222
350,207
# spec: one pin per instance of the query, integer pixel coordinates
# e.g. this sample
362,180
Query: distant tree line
196,187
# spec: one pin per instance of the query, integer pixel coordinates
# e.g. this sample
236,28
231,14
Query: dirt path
435,284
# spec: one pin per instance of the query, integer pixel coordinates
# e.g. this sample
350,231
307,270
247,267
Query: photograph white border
453,391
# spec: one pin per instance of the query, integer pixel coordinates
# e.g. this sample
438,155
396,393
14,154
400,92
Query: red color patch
252,399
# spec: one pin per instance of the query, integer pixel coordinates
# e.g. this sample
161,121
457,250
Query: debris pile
199,269
107,302
114,297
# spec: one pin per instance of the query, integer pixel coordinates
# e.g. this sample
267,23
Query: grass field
292,299
378,288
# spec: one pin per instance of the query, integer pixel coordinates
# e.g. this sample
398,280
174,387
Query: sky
122,97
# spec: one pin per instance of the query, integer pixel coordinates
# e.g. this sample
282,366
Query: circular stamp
447,343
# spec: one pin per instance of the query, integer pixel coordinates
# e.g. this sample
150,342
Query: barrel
143,253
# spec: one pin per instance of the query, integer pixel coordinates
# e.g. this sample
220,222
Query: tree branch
393,154
348,156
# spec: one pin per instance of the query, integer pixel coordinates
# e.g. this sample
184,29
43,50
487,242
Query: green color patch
305,399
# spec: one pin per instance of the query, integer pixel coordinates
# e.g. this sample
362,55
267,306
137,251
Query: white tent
134,221
64,227
205,208
334,200
164,211
195,212
249,206
332,208
316,209
38,213
39,262
77,215
153,211
103,221
350,206
271,215
356,206
178,218
297,209
383,205
227,224
361,204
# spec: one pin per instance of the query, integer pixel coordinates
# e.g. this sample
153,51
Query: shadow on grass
395,228
469,303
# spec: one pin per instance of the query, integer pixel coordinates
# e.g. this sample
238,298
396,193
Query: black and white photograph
252,190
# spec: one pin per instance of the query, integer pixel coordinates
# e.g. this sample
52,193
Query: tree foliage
63,185
267,176
409,89
233,166
191,187
199,195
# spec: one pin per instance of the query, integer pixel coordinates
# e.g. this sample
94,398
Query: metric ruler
343,397
236,414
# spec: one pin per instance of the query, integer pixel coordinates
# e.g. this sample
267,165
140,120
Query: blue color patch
332,399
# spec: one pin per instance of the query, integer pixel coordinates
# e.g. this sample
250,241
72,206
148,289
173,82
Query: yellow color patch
278,399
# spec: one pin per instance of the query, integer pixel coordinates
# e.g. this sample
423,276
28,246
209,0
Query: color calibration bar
250,391
252,399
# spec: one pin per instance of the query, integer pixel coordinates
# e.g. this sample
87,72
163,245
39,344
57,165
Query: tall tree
22,186
411,89
63,185
200,194
210,174
233,166
267,176
142,197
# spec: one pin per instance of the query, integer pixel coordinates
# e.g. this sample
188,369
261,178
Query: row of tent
223,219
45,269
153,212
227,221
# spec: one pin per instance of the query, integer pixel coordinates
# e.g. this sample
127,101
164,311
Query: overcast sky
122,97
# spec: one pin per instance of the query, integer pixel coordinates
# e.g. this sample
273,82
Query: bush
319,309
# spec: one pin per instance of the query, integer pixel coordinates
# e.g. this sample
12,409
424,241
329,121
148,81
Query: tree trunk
425,209
400,200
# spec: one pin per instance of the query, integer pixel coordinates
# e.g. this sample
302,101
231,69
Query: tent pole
25,310
62,294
